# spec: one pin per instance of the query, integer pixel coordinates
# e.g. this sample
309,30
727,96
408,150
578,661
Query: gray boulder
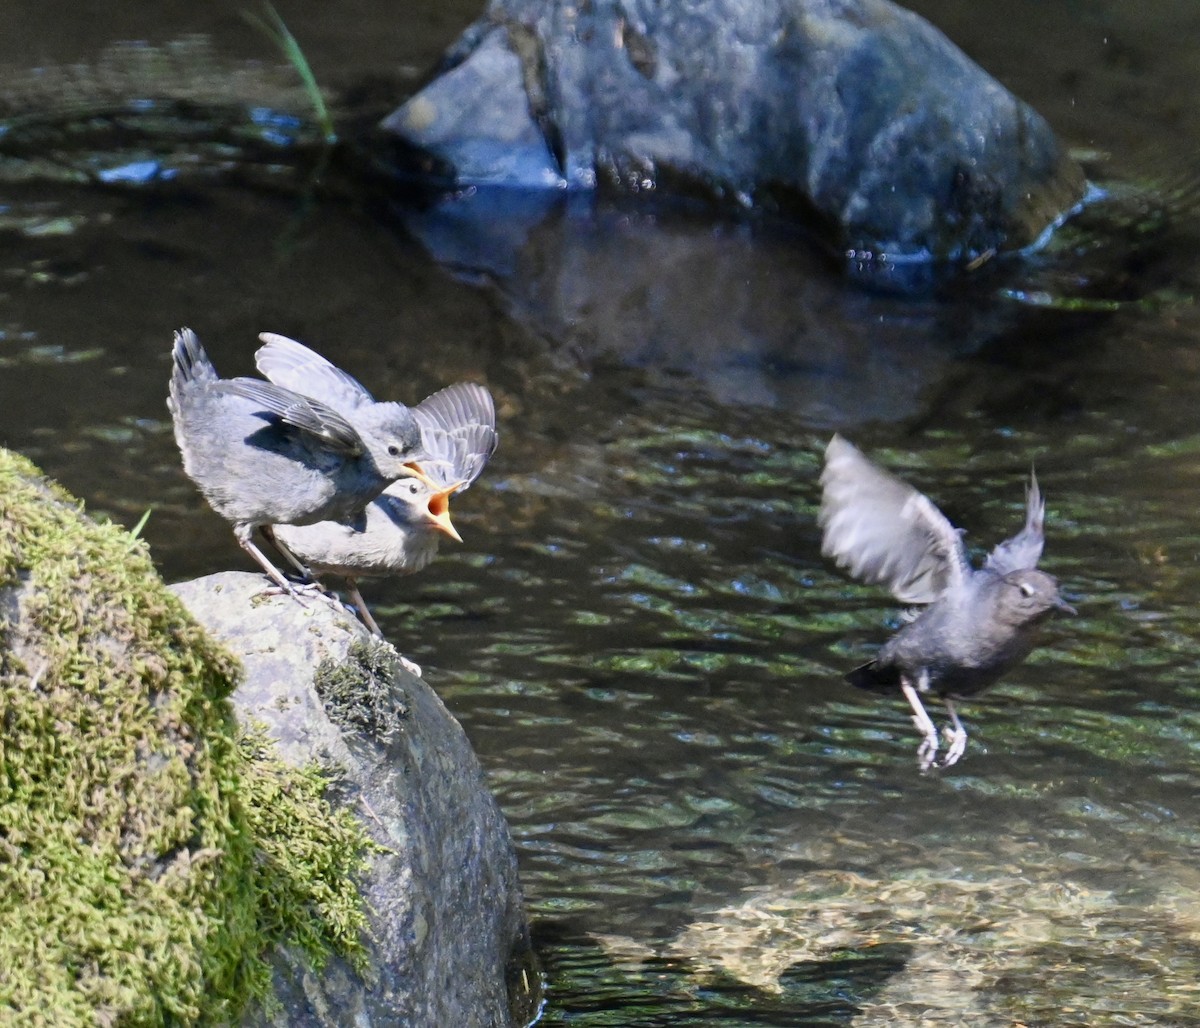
857,116
448,942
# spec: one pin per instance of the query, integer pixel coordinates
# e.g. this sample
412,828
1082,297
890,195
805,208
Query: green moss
360,693
307,853
149,859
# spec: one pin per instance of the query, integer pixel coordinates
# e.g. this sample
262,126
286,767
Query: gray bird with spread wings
264,454
399,532
976,624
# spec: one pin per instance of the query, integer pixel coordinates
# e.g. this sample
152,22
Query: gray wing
458,433
1023,550
302,412
457,456
456,406
294,366
885,532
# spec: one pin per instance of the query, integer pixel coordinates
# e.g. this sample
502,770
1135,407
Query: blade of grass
273,27
137,529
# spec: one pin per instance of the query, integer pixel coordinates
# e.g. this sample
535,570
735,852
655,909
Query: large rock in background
856,115
447,943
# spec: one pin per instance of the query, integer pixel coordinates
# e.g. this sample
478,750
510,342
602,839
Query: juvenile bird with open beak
263,453
399,532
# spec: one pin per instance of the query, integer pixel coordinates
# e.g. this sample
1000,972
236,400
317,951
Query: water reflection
639,634
751,313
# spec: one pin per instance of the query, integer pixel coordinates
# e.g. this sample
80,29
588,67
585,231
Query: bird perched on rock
263,454
457,424
977,623
399,532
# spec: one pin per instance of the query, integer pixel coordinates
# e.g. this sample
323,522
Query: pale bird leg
312,587
956,737
928,748
289,556
242,532
408,665
361,604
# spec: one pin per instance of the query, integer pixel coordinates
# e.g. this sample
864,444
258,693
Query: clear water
638,633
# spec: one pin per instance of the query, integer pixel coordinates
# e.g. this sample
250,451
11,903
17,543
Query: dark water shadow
753,314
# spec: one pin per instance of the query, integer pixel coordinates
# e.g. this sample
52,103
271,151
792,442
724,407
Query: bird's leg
312,585
242,532
928,748
361,604
269,532
956,736
365,614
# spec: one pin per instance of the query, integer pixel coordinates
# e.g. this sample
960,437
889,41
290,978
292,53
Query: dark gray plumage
977,623
263,454
399,532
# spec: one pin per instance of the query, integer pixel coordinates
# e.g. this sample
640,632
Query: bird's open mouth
439,511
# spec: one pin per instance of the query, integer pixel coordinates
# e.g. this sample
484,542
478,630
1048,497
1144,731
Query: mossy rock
151,854
447,942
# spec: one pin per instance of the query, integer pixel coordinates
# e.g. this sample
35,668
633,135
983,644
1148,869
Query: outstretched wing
457,406
1023,550
294,366
458,433
884,532
301,412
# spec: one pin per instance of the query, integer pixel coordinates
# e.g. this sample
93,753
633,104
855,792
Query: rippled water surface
639,633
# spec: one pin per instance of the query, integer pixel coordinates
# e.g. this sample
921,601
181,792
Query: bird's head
418,502
1029,596
392,437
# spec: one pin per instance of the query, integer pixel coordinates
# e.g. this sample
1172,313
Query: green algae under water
709,816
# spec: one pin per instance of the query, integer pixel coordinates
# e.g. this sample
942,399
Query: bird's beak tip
443,523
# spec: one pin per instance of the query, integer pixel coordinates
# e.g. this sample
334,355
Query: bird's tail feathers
871,676
191,363
1035,506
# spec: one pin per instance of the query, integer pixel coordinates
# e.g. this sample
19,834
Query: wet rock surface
447,929
856,116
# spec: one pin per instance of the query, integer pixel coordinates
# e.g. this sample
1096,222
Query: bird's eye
393,450
1027,589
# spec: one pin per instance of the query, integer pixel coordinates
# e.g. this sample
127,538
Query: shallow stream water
639,633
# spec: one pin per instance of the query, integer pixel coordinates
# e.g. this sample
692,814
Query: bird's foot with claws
927,751
956,739
300,592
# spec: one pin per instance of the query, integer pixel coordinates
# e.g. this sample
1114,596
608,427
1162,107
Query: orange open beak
439,511
414,471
